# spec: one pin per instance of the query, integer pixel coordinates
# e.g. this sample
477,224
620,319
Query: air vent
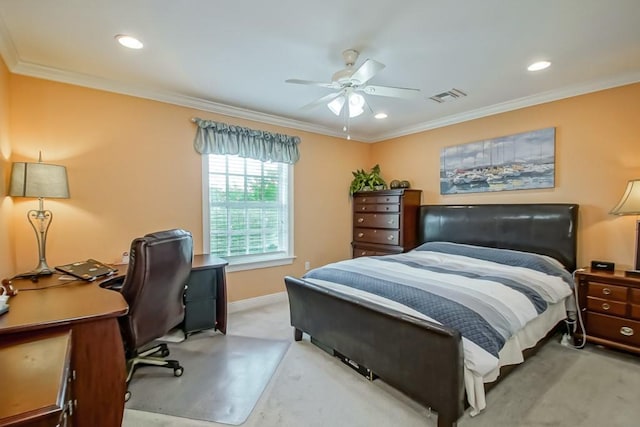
448,96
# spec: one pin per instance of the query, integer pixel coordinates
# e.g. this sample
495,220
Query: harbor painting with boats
515,162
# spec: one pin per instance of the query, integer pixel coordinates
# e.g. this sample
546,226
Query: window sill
248,264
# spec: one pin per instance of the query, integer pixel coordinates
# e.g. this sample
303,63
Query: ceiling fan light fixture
356,104
336,105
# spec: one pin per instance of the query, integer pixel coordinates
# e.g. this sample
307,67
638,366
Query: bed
422,357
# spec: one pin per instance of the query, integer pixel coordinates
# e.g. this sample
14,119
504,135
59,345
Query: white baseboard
257,302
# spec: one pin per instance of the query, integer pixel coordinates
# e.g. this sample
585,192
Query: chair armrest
114,283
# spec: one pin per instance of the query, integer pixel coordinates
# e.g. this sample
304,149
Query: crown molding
93,82
516,104
9,54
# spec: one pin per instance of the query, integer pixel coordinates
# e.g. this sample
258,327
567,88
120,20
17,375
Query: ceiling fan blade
321,101
312,83
366,71
392,92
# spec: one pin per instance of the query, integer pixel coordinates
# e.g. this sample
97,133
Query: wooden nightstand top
617,276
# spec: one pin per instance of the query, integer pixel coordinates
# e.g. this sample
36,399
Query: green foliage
363,180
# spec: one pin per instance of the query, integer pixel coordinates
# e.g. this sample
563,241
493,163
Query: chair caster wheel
178,371
127,396
164,352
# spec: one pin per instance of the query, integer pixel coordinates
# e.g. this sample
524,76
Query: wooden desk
97,353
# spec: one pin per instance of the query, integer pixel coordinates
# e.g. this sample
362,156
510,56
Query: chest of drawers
385,222
610,305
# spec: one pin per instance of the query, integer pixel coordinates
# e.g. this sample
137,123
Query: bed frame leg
445,422
297,334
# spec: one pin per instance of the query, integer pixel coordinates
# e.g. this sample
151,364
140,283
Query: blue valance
222,138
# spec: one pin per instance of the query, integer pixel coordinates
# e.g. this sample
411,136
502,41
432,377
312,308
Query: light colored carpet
559,386
223,378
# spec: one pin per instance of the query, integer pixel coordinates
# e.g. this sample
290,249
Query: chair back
159,267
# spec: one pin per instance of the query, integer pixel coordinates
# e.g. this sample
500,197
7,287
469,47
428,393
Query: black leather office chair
154,286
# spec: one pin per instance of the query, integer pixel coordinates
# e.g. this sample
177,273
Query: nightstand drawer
614,328
600,305
376,220
606,291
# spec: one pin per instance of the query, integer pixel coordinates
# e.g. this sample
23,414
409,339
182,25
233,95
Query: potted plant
367,181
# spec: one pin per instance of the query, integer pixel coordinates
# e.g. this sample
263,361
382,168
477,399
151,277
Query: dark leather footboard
421,359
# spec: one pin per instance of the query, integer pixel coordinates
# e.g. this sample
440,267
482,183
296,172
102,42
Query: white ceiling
233,56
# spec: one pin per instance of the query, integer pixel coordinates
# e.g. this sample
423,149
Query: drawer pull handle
360,234
390,237
606,291
390,221
360,219
364,199
605,306
363,253
364,208
626,331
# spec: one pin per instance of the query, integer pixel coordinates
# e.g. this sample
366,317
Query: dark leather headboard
547,229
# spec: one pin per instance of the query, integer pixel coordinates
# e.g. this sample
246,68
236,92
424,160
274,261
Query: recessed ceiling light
537,66
380,116
128,41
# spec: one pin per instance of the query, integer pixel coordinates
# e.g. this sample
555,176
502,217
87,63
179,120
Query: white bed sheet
510,354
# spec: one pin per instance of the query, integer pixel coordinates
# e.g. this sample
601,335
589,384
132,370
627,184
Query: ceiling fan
350,82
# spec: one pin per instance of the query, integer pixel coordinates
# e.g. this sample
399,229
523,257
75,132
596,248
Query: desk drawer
606,291
370,235
614,328
376,220
616,308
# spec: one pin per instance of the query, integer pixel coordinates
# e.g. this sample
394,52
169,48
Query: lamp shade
39,180
629,204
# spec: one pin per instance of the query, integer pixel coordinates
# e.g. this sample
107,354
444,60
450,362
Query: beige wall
132,170
597,151
6,205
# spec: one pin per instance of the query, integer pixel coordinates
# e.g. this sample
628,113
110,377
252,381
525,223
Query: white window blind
247,212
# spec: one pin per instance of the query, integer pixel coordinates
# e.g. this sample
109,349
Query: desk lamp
629,204
39,180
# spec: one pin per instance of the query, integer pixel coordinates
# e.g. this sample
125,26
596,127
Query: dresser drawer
358,252
606,291
635,296
370,235
377,199
376,220
376,208
600,305
614,328
635,311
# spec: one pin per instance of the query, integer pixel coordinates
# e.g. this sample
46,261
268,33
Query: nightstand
610,307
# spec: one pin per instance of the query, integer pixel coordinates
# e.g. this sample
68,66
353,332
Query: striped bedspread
486,294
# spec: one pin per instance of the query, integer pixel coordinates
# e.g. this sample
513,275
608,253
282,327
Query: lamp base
632,273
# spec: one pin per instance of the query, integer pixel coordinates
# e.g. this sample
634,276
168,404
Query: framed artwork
522,161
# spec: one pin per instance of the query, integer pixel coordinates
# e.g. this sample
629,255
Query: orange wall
132,170
6,206
597,151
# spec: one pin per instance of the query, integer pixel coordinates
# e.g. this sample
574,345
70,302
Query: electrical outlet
307,265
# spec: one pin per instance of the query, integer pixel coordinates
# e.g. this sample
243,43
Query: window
247,211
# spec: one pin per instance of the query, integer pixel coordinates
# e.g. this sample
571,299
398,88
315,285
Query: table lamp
629,204
39,180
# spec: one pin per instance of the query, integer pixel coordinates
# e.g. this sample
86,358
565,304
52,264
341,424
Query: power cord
572,324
